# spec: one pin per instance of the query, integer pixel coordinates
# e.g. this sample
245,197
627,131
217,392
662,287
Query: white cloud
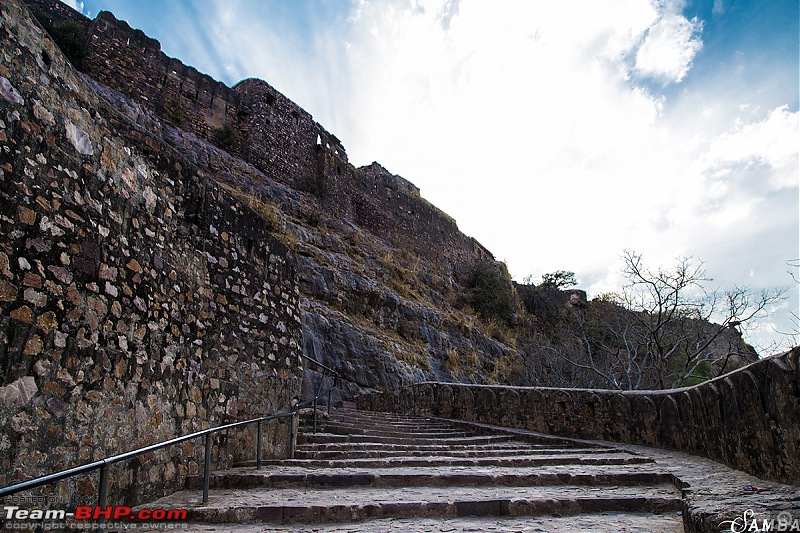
669,48
771,142
733,179
513,109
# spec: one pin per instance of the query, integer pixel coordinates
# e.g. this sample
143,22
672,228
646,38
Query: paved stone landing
586,523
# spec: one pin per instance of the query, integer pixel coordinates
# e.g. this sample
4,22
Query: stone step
407,468
411,434
383,418
242,477
384,424
518,461
377,424
512,484
436,448
281,506
326,438
390,424
378,416
356,453
372,419
416,428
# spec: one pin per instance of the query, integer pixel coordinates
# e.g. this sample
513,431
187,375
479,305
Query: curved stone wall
748,419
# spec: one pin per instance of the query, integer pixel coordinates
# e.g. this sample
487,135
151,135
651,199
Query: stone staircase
367,471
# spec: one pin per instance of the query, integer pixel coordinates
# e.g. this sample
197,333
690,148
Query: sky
557,133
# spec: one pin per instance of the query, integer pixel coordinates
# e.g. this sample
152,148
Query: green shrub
315,184
560,279
70,37
224,137
491,292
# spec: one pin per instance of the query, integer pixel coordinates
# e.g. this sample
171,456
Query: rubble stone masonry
138,300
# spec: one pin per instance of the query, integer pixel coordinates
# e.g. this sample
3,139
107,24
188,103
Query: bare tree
791,336
665,328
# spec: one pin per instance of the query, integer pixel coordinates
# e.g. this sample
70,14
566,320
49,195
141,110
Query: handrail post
315,415
330,390
207,471
329,402
102,496
260,445
292,433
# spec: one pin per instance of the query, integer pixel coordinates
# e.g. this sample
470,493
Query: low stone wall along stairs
370,471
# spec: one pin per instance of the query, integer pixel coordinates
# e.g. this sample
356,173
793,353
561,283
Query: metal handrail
327,371
103,464
323,367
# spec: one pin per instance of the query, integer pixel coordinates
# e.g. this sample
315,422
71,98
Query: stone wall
59,11
392,207
131,62
282,139
269,130
138,300
748,419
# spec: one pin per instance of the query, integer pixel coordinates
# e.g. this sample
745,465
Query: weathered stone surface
628,522
26,216
364,471
23,314
9,92
172,277
8,292
20,392
344,481
79,138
